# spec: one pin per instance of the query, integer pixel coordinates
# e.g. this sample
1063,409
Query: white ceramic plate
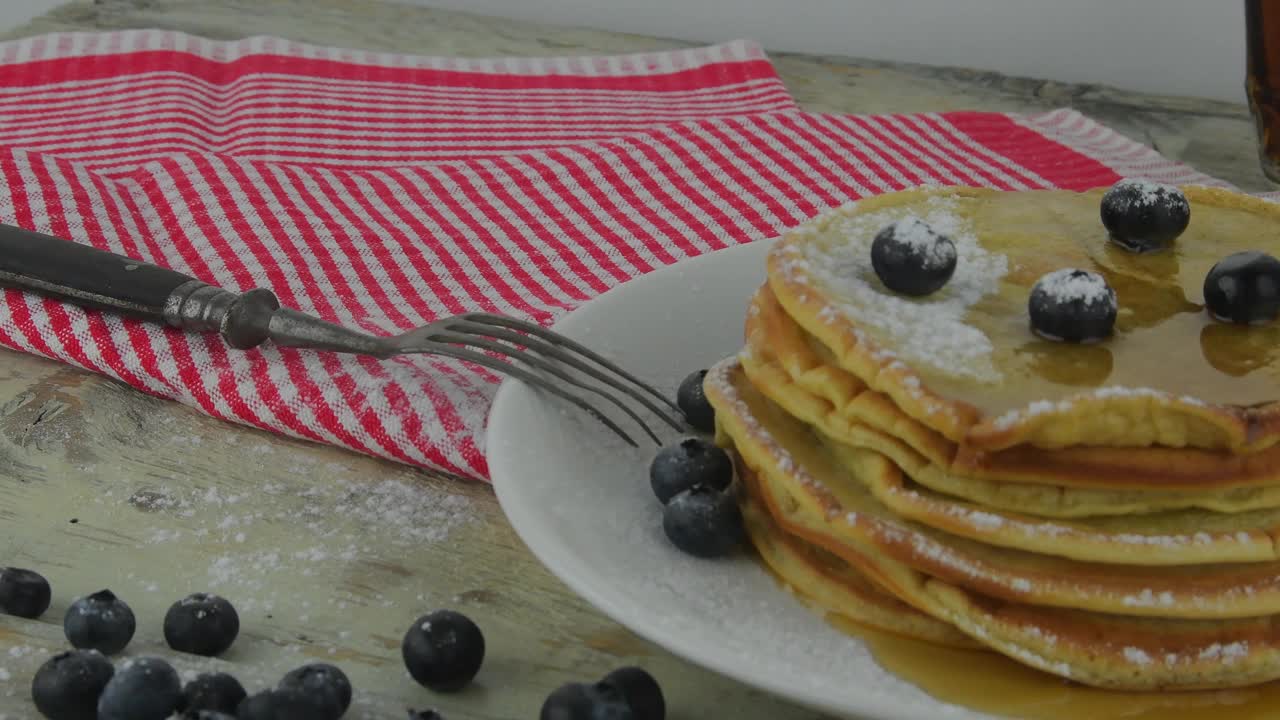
580,499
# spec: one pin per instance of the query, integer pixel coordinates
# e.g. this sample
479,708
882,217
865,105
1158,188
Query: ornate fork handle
90,277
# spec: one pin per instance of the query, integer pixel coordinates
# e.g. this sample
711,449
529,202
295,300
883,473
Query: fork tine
540,364
558,339
572,360
523,375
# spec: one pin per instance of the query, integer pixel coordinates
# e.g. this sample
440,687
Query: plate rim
570,570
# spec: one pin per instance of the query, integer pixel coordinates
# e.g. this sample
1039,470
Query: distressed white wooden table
330,555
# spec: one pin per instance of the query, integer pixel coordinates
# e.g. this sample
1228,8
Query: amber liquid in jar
1262,18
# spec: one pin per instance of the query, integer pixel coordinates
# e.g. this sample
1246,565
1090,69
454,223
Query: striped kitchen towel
383,191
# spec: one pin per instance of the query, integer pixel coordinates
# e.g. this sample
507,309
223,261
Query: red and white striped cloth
383,191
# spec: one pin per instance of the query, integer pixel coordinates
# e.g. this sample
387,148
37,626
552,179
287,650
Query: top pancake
964,361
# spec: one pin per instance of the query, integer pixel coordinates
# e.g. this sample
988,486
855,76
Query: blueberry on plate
690,462
579,701
24,593
1244,288
201,624
693,403
323,681
911,258
214,691
145,688
1072,306
443,650
101,622
1142,216
427,714
67,686
703,521
641,692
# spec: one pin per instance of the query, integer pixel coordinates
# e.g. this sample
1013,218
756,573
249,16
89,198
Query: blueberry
1072,306
703,521
424,715
443,650
690,462
101,622
206,715
1143,216
323,681
1244,288
281,704
24,593
201,624
693,403
578,701
67,685
215,691
641,691
145,688
912,258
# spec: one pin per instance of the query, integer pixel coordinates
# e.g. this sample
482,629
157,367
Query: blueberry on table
323,681
579,701
911,258
282,704
101,622
703,521
1142,216
690,462
67,686
24,593
201,624
424,715
1072,306
1244,288
443,650
214,691
641,692
145,688
692,401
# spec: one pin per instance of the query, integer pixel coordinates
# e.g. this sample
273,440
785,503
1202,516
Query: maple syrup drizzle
1164,339
991,683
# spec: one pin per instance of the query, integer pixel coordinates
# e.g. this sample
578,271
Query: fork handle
93,278
85,275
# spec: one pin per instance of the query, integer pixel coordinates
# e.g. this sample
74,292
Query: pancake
829,583
845,515
964,363
786,364
1103,650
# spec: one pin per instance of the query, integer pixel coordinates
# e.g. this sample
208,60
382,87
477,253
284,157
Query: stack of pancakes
1106,512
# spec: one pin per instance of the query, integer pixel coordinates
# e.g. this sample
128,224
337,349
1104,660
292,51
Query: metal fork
94,278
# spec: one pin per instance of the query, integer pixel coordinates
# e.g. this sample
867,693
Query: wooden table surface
330,555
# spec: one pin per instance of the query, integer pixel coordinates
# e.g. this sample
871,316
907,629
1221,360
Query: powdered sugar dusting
1142,192
1072,285
936,251
1066,405
925,332
1137,656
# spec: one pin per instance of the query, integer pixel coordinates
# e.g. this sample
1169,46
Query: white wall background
1177,47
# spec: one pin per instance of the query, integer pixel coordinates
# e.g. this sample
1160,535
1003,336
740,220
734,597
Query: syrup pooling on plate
1163,340
991,683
